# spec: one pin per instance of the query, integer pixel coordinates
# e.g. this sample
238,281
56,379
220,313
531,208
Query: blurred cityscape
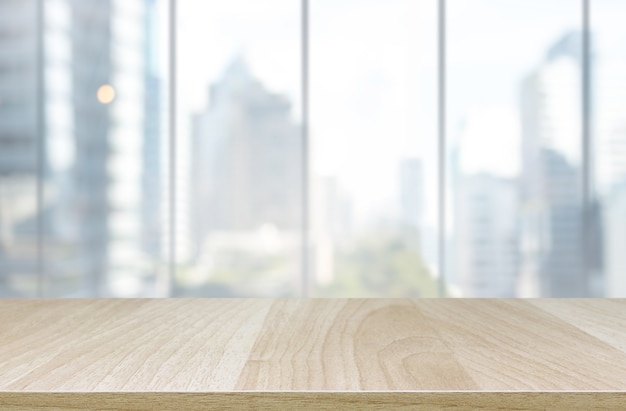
85,187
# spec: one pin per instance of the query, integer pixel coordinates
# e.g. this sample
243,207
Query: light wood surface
320,354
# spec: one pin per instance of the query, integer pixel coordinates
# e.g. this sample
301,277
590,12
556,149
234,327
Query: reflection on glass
239,175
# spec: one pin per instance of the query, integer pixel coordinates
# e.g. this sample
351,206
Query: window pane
239,144
99,149
104,147
18,149
373,148
514,128
609,134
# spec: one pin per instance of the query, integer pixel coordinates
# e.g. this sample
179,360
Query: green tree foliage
381,264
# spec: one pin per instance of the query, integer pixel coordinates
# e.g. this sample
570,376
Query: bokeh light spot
106,94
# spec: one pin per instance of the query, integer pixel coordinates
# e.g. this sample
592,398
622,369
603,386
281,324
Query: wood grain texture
315,354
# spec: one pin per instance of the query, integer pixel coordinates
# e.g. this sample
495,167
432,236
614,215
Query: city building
614,239
412,192
246,157
551,184
19,146
483,255
487,226
154,145
609,156
331,225
74,124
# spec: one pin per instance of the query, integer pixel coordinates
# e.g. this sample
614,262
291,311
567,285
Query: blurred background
260,148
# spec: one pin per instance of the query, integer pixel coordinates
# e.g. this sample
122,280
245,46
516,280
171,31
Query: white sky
373,76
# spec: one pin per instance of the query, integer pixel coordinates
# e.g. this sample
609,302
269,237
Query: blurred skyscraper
418,232
331,225
247,153
485,204
154,144
246,174
412,193
18,147
486,210
614,216
551,203
609,154
88,150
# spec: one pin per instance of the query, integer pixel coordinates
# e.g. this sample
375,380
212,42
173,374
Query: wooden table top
315,353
